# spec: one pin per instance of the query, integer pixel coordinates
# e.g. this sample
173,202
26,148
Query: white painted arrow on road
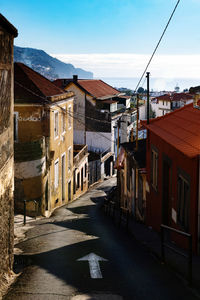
93,259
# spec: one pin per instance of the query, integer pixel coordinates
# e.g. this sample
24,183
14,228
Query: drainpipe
199,206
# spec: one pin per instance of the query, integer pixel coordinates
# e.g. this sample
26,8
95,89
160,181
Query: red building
172,162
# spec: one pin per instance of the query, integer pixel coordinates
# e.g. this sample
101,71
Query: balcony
28,151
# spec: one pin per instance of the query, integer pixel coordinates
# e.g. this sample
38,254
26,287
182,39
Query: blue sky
68,29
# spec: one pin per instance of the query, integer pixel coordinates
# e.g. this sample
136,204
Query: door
46,196
166,205
69,190
63,177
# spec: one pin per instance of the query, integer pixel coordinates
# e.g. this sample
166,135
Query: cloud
133,65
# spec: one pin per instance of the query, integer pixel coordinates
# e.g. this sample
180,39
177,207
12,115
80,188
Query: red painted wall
154,199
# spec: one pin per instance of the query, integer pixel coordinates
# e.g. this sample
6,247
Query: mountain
47,65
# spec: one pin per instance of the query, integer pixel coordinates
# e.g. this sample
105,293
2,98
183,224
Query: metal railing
36,209
188,256
110,208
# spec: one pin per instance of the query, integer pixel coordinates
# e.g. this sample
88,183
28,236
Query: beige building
80,170
7,34
43,143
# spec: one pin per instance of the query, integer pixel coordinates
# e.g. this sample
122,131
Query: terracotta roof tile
33,83
98,88
180,129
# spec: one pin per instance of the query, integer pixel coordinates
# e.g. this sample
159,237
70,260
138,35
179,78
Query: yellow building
43,137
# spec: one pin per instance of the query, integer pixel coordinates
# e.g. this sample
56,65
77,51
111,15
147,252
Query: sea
156,84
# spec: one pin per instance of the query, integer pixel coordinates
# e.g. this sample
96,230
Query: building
7,34
97,109
43,137
80,170
173,172
169,102
131,178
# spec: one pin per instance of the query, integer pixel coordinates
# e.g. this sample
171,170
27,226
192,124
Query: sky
112,38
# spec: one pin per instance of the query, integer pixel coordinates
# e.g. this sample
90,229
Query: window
63,121
55,124
183,202
85,170
69,117
56,173
154,168
69,159
15,126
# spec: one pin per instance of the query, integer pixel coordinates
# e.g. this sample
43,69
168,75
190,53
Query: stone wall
6,147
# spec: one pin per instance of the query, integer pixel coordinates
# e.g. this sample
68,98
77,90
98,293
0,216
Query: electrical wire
48,102
157,46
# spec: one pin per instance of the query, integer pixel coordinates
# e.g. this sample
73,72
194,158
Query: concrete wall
98,141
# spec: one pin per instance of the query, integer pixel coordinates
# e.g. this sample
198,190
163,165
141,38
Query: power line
157,46
48,102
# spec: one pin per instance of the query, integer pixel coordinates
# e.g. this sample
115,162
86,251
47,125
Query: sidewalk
20,229
152,241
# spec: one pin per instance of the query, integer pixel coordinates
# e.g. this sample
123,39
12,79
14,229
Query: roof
98,88
8,26
180,129
109,101
32,86
182,96
124,97
175,97
165,97
94,87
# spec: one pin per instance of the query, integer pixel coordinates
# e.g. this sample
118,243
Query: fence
94,171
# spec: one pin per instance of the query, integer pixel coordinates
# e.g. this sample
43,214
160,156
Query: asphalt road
54,246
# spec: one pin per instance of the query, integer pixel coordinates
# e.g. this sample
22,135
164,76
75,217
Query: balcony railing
82,150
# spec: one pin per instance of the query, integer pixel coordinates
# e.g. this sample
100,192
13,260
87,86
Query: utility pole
118,124
137,107
147,97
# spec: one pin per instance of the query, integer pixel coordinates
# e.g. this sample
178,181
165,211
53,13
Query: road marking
93,259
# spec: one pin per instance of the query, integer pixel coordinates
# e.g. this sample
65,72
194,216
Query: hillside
47,65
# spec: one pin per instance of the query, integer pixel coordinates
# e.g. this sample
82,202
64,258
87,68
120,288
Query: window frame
154,167
56,125
63,121
69,112
56,178
183,199
69,159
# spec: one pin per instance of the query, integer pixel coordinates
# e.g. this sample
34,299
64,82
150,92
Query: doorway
63,176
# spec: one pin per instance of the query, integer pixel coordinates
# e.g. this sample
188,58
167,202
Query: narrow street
57,268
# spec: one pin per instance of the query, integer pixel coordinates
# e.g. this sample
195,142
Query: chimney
75,78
